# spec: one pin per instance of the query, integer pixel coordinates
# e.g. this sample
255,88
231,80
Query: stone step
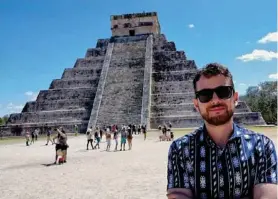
172,98
68,126
172,87
58,105
250,118
76,73
173,76
102,43
46,116
123,89
118,119
92,62
95,52
70,94
74,83
165,46
163,56
179,65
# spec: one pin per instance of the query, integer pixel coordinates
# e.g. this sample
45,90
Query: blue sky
39,39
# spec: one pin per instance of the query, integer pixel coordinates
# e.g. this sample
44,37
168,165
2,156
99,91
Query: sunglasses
223,92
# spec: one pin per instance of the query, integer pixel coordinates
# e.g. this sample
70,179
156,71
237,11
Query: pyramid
134,77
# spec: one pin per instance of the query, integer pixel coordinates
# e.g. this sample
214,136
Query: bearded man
220,159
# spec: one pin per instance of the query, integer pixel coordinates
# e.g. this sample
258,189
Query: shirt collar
237,133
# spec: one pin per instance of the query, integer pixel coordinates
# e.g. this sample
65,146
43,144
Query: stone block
47,116
172,87
173,76
77,73
95,52
65,104
74,83
62,94
92,62
172,98
176,65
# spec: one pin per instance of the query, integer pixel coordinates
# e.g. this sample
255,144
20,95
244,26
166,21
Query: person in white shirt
89,138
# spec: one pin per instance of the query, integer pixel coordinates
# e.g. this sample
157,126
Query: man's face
216,111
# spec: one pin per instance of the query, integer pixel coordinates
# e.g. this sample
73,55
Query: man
89,138
48,136
220,159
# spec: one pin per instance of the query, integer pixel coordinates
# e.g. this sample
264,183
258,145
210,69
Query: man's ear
236,97
196,105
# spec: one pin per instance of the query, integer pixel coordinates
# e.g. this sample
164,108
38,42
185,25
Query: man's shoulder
250,135
185,139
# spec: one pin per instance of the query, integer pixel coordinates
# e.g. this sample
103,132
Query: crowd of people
125,132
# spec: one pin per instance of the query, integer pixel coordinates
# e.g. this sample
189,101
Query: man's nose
215,99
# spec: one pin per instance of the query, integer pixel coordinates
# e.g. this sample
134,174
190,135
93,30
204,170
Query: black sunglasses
223,92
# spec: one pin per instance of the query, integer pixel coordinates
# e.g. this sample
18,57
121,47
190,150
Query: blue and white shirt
195,162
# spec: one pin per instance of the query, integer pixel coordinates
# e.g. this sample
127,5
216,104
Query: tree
263,98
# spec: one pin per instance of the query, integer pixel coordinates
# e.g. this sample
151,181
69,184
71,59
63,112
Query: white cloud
273,76
270,37
260,55
242,84
191,26
14,108
31,95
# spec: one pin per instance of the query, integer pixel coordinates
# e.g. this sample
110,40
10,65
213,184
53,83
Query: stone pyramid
134,77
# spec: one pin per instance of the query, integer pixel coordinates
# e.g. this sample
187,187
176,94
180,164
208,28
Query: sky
39,39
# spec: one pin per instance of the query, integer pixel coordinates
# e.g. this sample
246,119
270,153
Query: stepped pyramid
134,77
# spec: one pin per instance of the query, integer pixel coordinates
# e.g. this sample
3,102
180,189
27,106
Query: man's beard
218,119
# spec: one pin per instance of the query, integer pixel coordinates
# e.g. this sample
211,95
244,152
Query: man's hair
210,70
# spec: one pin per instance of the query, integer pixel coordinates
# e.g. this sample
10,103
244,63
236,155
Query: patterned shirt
195,162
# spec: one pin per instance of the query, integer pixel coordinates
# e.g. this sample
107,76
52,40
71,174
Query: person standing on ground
75,130
116,139
27,137
61,146
48,136
123,138
220,159
90,138
97,137
144,130
108,139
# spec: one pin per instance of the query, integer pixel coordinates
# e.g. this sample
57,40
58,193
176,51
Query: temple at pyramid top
135,24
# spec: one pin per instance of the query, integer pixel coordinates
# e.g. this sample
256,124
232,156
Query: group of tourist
166,132
31,136
125,132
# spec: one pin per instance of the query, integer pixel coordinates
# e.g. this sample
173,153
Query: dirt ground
139,173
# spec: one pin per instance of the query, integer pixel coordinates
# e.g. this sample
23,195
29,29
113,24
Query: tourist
108,139
36,133
172,136
61,146
123,138
116,139
89,137
97,138
220,159
139,129
75,130
129,138
27,137
33,137
48,136
144,131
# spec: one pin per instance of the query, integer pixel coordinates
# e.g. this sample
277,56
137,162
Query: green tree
263,98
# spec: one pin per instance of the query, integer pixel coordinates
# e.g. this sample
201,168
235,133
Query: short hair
210,70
